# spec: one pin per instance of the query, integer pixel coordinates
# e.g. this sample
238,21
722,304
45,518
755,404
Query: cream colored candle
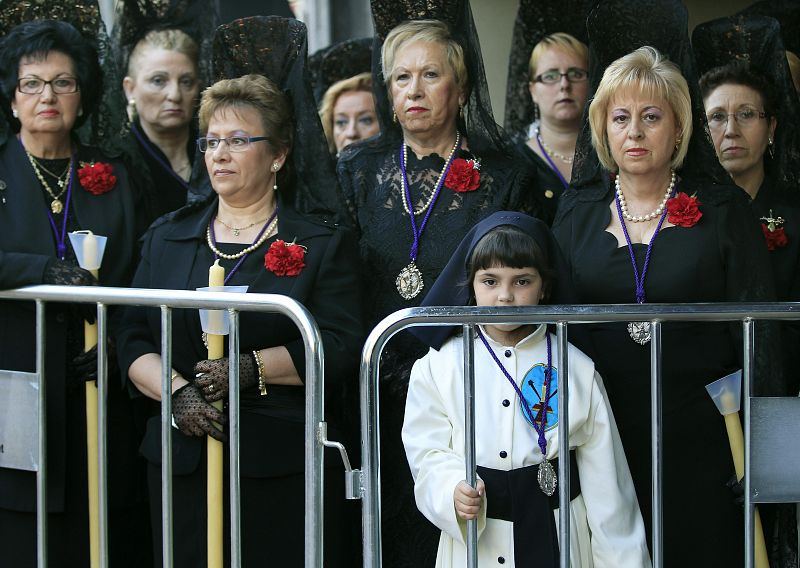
216,277
89,341
736,439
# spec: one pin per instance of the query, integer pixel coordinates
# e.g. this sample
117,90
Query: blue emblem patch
532,388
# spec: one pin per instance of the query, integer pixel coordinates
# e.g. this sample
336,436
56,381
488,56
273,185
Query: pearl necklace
653,214
552,153
406,204
247,250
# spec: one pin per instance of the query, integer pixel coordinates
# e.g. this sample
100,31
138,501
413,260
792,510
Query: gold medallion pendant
56,206
409,282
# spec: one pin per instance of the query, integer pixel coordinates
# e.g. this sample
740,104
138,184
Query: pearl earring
275,168
14,113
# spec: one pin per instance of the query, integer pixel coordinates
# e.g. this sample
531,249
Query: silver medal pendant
548,480
409,282
640,331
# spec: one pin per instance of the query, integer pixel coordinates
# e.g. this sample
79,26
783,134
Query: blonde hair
256,92
559,40
794,68
432,31
651,73
360,82
171,40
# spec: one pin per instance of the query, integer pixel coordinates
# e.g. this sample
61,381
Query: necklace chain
47,171
236,230
406,204
649,216
245,251
56,206
552,153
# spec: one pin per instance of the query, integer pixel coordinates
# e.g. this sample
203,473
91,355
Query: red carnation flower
285,259
684,211
463,175
775,238
97,178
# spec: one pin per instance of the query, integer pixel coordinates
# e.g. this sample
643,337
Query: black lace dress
370,176
721,258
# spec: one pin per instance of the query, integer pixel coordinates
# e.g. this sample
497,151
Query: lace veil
135,18
338,62
618,27
787,12
757,39
276,47
535,20
483,133
104,127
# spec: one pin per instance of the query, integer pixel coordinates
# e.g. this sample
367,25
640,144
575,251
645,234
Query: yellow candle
736,439
89,341
216,277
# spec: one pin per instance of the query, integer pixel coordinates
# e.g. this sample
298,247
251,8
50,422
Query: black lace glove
193,415
737,489
211,376
84,366
63,273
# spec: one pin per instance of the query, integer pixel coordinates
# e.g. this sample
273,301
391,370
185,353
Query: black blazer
175,256
26,244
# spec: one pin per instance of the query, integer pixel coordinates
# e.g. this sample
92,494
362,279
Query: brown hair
259,93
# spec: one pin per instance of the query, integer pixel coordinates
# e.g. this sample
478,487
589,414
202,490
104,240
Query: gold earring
461,110
394,117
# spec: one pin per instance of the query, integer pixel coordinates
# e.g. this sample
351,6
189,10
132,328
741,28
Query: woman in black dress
546,91
255,229
439,166
752,112
662,229
52,184
165,58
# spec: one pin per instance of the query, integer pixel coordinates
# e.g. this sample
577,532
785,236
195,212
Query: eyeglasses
35,85
235,143
573,75
743,117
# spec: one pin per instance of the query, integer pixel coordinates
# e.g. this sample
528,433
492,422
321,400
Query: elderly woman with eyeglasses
264,243
50,185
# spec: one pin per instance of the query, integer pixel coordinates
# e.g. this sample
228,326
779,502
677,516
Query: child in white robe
511,259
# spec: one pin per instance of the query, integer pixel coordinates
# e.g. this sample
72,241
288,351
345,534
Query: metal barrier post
41,474
233,438
370,451
469,436
657,442
747,380
102,433
166,437
562,384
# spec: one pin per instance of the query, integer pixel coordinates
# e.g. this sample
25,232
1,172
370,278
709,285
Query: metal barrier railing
366,482
166,300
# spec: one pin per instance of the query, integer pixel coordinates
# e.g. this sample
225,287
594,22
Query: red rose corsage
684,211
772,227
97,177
285,259
464,175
